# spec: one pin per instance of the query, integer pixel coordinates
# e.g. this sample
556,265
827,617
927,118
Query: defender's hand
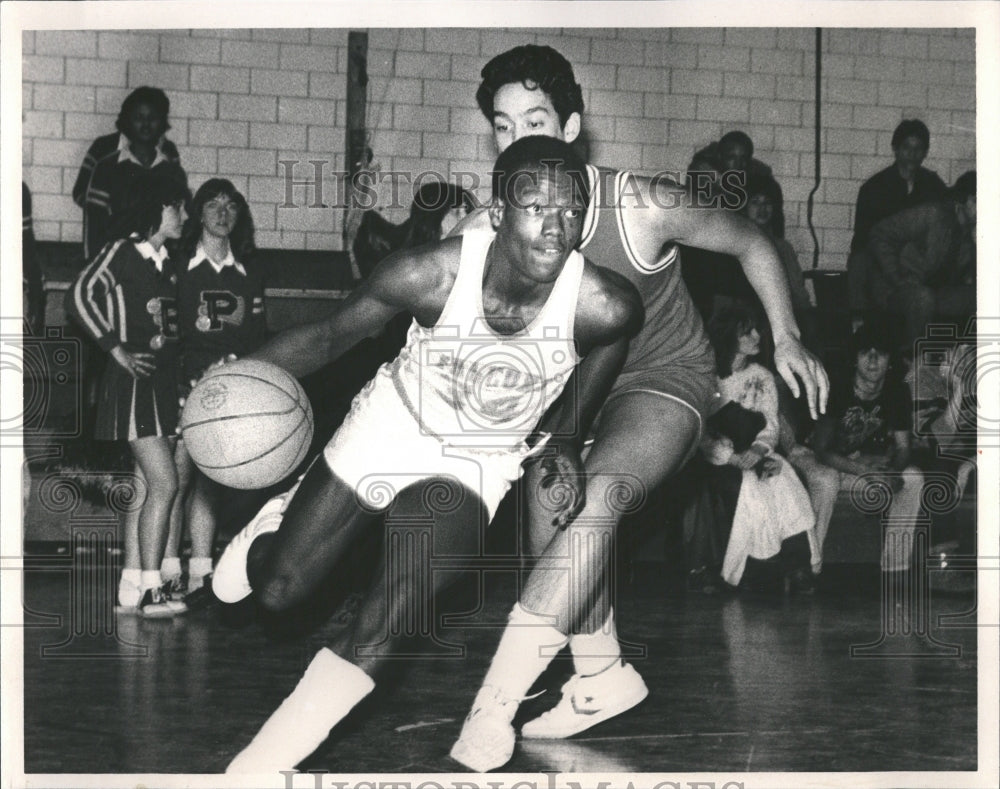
792,359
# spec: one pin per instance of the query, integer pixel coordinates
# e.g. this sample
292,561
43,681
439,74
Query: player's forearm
766,274
300,350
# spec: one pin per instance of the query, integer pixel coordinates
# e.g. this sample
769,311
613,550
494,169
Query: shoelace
498,697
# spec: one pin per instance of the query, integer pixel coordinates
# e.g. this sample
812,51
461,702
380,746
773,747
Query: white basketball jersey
471,386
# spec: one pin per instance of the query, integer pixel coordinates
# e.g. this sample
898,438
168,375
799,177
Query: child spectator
764,206
713,279
773,517
126,301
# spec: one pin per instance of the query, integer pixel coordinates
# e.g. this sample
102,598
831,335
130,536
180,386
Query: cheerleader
220,312
126,300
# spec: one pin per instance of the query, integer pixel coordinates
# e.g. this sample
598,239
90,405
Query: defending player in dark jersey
644,432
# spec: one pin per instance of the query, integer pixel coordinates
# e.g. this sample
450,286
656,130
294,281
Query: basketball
247,424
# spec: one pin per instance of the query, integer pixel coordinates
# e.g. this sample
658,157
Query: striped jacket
103,146
107,189
127,295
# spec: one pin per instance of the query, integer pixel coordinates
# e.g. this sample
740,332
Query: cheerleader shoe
157,604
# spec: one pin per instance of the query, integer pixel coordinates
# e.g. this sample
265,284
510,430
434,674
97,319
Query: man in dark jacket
903,184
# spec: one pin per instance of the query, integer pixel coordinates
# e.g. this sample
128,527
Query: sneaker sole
167,614
466,758
589,722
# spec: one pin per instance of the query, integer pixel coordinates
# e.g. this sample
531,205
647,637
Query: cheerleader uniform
128,296
220,308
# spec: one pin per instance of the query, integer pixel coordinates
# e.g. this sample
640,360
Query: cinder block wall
243,100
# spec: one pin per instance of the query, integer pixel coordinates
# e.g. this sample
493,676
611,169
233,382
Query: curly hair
536,68
533,152
154,97
241,238
724,331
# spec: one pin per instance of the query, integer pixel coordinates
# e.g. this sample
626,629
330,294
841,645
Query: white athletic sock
150,579
132,575
328,690
170,567
199,566
128,587
594,652
526,648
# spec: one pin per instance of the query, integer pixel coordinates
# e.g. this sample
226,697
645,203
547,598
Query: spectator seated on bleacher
752,509
866,431
923,261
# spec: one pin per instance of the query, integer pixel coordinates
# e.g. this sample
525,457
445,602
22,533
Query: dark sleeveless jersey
671,354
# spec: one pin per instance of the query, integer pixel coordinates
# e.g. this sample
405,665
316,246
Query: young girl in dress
773,516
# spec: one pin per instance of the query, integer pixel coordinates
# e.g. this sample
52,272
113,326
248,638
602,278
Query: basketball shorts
693,385
380,449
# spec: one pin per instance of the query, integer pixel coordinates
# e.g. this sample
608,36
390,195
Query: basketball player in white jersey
500,322
645,431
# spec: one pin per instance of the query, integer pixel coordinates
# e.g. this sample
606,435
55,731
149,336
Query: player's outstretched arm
718,230
406,281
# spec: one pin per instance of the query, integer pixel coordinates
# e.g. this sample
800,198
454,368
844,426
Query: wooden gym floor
738,683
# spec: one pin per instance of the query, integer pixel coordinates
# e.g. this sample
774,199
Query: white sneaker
229,580
587,701
487,738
